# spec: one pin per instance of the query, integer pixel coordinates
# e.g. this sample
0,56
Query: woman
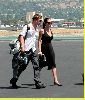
45,47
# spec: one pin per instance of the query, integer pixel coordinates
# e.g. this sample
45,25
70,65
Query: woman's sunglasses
49,23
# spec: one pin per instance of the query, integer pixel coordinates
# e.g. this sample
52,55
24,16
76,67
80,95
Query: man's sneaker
39,85
14,86
13,82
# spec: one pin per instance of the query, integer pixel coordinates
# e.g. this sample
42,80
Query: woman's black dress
47,50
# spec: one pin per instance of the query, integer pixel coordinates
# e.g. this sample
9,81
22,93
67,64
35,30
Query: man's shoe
14,86
13,83
39,85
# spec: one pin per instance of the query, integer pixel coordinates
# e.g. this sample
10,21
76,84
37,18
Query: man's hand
40,53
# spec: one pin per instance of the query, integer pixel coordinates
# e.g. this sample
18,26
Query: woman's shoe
58,84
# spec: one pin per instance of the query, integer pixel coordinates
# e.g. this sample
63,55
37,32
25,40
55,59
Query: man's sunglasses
40,20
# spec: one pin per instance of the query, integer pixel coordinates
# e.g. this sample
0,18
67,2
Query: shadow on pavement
79,84
10,87
31,86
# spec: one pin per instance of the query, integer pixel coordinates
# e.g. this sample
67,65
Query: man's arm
22,37
40,41
22,47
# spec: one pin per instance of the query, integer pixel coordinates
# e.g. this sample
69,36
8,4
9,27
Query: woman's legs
54,72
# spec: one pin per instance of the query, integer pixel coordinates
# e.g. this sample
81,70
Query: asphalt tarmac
69,63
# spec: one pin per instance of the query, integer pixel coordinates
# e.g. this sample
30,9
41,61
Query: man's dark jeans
18,69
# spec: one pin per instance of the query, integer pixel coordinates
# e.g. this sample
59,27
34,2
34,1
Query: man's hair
36,17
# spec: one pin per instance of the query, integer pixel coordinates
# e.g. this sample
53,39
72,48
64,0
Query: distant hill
16,9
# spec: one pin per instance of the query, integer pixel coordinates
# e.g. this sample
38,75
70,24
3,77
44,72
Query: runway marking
68,44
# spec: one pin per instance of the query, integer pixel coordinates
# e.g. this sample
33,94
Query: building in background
57,22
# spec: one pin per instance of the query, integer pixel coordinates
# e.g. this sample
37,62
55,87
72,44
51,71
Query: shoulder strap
28,28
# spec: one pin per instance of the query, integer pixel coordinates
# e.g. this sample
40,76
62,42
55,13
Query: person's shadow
79,84
31,86
10,87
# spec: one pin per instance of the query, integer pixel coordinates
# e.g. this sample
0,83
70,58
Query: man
27,45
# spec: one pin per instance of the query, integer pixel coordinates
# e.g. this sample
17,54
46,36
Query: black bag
22,58
15,44
42,61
